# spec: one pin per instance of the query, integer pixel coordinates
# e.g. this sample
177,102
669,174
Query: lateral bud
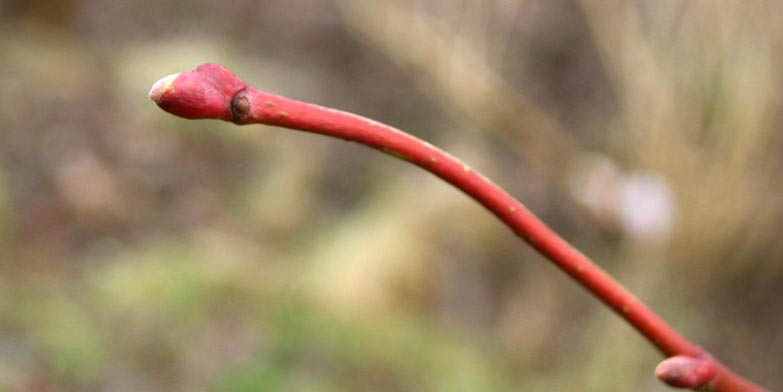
240,108
682,371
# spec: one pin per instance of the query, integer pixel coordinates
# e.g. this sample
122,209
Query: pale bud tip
162,86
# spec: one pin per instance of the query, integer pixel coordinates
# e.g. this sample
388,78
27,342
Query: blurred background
139,251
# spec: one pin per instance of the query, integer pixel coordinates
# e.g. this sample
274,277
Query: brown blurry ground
139,251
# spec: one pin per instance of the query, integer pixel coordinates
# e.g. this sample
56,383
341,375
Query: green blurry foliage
162,310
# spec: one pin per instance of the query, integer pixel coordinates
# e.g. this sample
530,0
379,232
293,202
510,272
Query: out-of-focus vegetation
139,251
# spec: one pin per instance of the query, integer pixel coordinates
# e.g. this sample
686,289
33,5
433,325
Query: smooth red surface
264,108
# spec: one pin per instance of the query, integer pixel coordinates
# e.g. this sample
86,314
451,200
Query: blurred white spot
641,203
647,207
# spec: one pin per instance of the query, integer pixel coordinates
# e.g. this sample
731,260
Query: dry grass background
143,252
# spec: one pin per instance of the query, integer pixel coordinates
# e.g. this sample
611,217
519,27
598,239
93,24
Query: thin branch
212,91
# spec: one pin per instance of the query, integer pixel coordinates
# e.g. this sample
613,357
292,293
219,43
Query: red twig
212,91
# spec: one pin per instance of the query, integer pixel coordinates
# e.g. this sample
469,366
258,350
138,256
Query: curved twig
212,91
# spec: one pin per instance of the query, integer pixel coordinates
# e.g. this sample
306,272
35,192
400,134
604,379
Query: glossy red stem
233,100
